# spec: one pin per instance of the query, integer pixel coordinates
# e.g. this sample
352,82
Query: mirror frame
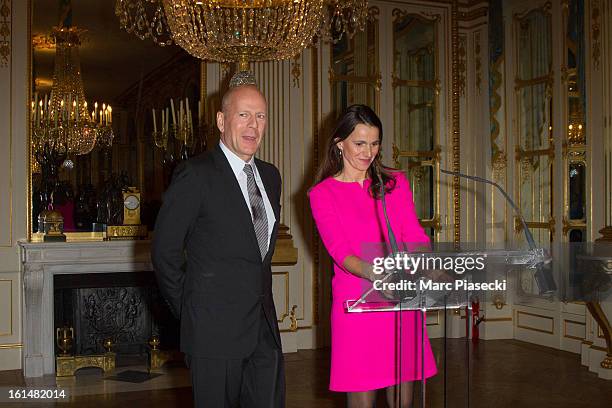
431,158
70,236
520,153
374,80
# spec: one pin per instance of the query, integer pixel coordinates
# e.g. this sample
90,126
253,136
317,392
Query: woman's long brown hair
333,164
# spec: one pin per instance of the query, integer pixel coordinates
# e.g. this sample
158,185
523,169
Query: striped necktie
258,210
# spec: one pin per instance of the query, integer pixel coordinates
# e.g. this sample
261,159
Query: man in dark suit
212,251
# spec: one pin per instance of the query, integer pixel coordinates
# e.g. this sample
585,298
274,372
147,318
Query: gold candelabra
178,124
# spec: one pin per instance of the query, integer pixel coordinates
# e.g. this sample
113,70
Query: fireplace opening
126,308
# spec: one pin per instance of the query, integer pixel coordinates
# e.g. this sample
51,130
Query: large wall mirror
354,74
574,146
416,88
534,143
93,134
534,100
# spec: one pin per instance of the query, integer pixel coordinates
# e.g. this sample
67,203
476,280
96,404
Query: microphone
392,240
397,275
543,275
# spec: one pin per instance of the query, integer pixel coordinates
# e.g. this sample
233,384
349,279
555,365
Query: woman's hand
360,268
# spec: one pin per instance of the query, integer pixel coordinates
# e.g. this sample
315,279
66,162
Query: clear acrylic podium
444,291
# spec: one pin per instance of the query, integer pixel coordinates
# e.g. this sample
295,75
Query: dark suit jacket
207,260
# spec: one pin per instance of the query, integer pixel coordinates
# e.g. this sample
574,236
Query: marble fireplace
41,263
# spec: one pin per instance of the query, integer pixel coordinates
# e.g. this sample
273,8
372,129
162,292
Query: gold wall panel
574,330
497,319
530,321
289,314
433,318
11,346
6,134
6,307
281,301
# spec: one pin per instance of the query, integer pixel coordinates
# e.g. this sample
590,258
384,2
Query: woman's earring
340,152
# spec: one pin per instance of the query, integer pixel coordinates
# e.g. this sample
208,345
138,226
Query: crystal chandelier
63,120
241,30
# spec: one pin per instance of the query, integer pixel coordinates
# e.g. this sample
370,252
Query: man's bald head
227,97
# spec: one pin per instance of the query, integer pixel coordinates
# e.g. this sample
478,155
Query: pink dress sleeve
326,218
412,231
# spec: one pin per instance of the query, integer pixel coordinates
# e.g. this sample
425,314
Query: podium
403,291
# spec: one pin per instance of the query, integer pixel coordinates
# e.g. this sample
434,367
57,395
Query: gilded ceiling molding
5,32
595,34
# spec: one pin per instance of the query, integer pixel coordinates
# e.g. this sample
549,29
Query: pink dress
365,353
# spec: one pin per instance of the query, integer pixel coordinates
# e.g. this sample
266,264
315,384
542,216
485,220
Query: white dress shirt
237,165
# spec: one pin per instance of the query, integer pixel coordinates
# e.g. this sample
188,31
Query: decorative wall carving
496,62
456,123
461,65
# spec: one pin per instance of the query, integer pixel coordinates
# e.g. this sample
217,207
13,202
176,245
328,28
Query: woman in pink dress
347,210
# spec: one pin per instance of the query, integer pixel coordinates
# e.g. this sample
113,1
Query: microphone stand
528,236
394,251
535,257
543,275
392,243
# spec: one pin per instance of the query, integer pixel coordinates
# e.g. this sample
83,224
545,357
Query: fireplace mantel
40,263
